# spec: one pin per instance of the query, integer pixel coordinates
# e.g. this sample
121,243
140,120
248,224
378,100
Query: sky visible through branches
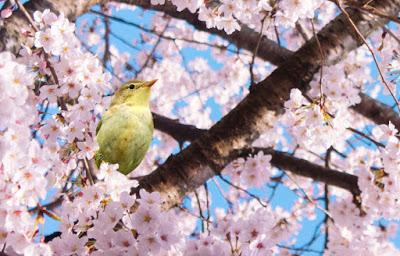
310,241
277,133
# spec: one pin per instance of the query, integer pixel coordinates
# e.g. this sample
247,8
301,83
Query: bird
125,131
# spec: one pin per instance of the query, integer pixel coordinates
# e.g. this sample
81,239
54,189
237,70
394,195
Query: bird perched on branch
125,131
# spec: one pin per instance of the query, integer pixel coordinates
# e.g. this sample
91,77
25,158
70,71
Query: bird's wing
98,126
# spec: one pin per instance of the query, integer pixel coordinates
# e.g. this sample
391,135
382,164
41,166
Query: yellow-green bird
125,131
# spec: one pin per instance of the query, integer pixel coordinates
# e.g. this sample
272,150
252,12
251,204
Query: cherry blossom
56,90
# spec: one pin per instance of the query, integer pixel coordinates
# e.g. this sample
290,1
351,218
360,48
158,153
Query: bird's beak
150,83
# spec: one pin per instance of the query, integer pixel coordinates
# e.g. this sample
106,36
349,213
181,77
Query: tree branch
106,55
180,132
282,160
246,38
376,111
307,169
215,149
11,37
270,51
206,156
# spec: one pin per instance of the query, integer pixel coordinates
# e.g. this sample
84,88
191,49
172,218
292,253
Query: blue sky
283,197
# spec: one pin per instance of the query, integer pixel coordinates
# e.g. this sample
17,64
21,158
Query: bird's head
135,92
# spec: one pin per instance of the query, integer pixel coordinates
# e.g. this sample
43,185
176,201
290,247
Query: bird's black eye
131,86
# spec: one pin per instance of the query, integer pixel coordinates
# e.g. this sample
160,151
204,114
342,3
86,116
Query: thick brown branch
190,168
307,169
246,38
270,51
11,38
376,111
180,132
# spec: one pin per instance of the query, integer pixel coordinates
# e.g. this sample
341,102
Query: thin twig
153,31
208,208
88,171
243,190
49,206
377,143
322,63
200,211
43,115
196,91
299,249
125,42
194,215
46,56
3,249
301,30
230,204
150,56
306,247
308,197
106,55
27,15
277,33
338,3
390,32
253,58
374,11
273,193
56,202
339,153
326,198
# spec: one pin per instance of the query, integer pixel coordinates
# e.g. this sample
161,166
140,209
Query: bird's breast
125,135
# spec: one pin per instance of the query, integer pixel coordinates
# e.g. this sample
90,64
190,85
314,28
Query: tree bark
216,148
206,156
307,169
270,51
282,160
376,111
180,132
246,38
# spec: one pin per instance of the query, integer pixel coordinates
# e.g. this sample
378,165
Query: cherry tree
306,99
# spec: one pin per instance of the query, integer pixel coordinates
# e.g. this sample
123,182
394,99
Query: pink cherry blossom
55,90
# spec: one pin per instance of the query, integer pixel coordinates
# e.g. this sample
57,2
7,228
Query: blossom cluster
317,121
97,224
23,162
229,15
378,175
44,150
246,232
254,171
55,92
